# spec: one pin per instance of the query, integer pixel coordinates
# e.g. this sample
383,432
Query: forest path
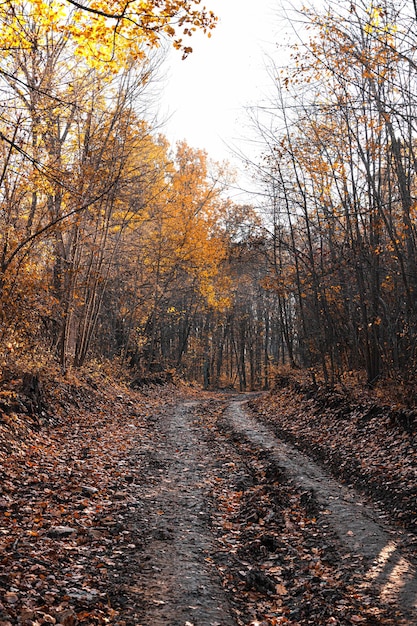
177,578
177,507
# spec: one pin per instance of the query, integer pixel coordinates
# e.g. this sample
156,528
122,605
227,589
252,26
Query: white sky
205,95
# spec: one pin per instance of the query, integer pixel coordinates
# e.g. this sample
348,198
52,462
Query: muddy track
186,570
390,572
175,581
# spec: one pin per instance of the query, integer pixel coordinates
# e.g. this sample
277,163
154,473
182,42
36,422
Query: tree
178,251
127,22
56,53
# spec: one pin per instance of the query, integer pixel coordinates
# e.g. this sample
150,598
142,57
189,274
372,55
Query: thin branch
53,223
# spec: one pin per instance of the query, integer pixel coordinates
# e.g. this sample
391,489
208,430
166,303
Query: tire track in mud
178,583
390,573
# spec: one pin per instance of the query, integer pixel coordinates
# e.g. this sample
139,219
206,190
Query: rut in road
181,584
390,572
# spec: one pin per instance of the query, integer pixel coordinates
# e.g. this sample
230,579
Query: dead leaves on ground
361,441
63,495
67,493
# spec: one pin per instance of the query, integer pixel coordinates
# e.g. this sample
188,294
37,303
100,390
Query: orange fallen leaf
281,589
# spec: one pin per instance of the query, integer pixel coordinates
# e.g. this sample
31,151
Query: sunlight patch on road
398,578
382,560
393,574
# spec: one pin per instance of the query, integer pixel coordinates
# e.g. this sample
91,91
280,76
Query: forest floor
171,506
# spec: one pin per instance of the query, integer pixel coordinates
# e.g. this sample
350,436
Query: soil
174,577
188,510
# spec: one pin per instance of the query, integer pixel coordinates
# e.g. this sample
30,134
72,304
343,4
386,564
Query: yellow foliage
179,227
104,31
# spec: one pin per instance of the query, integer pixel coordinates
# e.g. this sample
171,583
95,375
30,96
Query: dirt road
232,526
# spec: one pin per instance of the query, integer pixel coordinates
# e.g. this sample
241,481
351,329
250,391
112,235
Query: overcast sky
206,94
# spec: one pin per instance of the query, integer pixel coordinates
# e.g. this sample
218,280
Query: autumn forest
116,245
208,408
